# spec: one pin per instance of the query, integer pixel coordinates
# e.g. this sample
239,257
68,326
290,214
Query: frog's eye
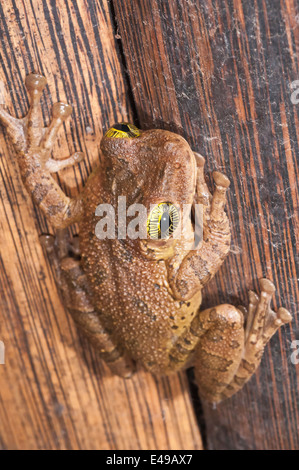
162,221
123,130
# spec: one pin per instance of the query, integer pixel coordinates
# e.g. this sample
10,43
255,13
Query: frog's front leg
73,287
227,355
189,275
33,144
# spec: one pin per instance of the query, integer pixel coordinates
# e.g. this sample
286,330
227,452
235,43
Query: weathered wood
54,392
219,72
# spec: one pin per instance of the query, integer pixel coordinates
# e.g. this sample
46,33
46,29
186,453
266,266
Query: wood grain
54,392
219,72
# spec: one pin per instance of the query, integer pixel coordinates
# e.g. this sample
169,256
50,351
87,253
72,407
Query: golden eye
123,130
163,221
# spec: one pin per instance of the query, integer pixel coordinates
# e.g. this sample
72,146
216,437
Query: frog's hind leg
73,288
262,322
227,355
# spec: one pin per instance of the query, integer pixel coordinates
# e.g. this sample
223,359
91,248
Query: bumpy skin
138,300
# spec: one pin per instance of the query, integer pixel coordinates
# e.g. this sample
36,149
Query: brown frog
139,299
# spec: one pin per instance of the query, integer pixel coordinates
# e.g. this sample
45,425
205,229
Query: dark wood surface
55,393
219,72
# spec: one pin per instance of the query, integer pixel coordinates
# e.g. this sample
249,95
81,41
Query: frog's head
155,168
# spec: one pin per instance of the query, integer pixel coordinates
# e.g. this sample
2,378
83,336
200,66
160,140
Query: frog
137,300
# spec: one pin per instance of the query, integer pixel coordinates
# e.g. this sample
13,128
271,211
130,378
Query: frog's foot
213,205
33,144
227,354
202,195
74,291
28,134
262,323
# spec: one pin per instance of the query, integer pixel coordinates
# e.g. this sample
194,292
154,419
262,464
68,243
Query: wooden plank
219,72
54,391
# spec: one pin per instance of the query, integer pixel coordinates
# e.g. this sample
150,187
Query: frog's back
130,292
